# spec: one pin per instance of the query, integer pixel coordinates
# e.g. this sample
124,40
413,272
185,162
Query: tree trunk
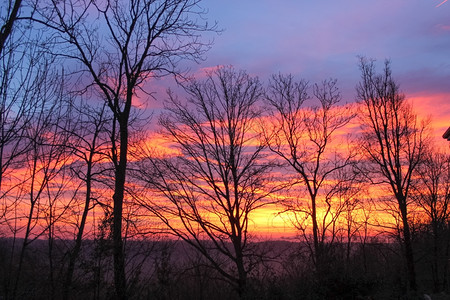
242,274
120,176
409,255
76,250
28,229
6,29
317,246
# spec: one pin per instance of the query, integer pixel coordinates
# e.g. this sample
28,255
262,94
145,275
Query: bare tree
350,205
431,191
41,182
89,143
120,45
11,8
27,85
364,230
221,174
21,62
302,137
393,143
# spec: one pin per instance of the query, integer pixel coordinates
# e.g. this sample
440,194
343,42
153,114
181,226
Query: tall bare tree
302,137
393,143
220,175
120,45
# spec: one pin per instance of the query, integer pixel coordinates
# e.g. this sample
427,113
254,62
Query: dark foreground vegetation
172,270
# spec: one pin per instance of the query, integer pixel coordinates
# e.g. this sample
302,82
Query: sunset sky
316,40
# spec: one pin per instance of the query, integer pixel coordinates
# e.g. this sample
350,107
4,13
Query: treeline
92,205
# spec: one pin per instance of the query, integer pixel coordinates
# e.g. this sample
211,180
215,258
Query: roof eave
447,134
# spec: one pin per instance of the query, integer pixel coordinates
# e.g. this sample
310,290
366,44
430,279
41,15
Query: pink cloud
443,27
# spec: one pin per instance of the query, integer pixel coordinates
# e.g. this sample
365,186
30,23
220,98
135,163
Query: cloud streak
441,3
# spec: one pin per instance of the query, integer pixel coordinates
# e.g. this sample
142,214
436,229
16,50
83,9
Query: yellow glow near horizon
267,221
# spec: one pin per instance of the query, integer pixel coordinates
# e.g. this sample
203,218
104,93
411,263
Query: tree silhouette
221,174
393,143
431,191
302,137
8,20
136,40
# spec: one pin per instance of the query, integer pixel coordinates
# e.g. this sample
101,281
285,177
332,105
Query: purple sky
321,39
316,40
